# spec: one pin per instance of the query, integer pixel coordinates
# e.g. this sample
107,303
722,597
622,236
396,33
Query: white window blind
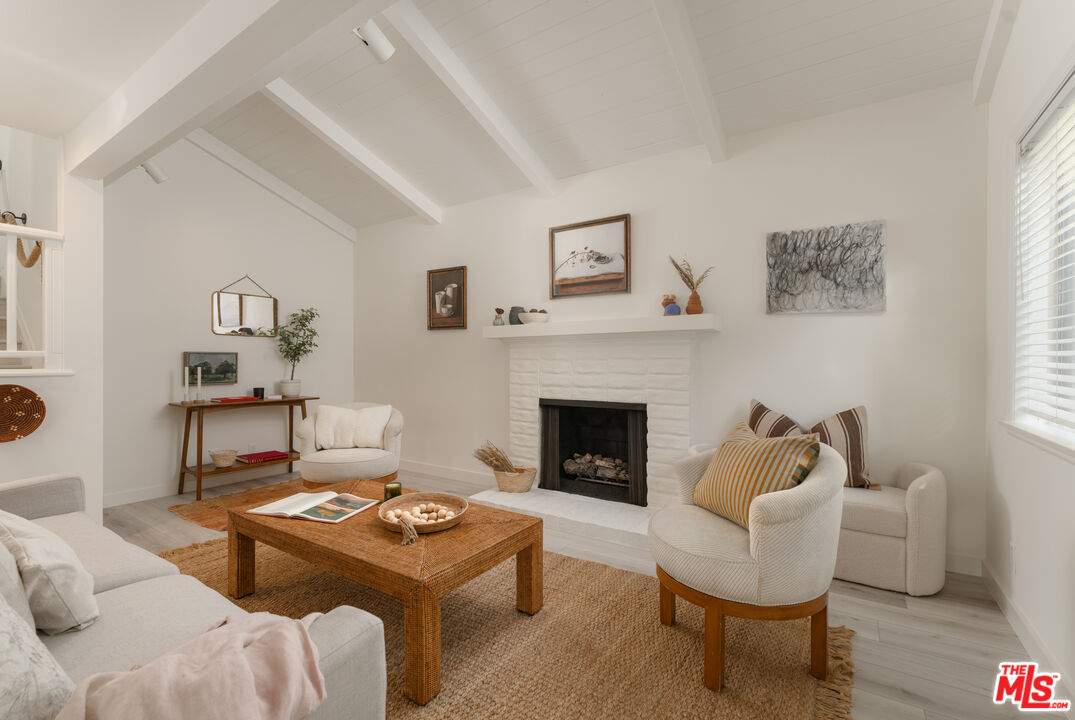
1044,383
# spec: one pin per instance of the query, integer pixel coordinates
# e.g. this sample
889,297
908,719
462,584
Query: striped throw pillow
845,432
747,466
768,423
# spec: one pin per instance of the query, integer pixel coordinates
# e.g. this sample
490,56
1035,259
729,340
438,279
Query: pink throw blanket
250,667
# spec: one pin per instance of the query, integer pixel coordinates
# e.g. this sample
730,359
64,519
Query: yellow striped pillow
747,466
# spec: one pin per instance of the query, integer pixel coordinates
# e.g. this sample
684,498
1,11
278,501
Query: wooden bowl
457,504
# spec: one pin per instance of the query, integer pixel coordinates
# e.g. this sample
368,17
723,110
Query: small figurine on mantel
669,304
499,319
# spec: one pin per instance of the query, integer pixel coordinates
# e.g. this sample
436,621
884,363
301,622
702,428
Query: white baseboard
479,480
1032,641
964,564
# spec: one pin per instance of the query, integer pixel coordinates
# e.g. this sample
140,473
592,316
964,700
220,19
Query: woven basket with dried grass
509,478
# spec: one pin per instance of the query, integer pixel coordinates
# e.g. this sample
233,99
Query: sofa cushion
108,558
705,552
58,588
139,622
11,589
847,433
769,423
881,510
747,466
338,465
33,686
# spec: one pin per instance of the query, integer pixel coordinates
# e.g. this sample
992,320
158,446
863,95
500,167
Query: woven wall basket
21,412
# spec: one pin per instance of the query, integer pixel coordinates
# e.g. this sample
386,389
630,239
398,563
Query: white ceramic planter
291,388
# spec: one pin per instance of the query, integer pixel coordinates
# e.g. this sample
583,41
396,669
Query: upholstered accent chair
320,467
779,569
895,538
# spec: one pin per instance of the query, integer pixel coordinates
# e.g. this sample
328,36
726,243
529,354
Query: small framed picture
590,258
218,368
446,301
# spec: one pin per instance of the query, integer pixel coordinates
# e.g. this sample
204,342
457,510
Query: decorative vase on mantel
694,304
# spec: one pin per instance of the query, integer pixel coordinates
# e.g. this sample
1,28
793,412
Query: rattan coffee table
362,549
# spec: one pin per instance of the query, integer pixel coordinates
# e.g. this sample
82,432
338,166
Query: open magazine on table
328,507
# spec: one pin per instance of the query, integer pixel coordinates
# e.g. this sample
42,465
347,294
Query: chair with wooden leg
779,569
322,463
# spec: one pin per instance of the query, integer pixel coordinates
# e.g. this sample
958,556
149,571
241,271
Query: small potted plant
295,340
686,274
508,477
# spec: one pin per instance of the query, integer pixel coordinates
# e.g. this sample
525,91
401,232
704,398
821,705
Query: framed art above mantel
591,257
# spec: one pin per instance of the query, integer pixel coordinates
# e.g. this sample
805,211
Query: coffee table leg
529,582
240,564
421,646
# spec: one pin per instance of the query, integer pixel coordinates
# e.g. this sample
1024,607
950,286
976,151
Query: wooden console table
201,470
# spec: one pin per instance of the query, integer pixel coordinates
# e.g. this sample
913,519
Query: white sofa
337,465
895,538
147,607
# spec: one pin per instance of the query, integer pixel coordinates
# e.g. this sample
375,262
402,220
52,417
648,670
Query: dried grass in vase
494,457
686,274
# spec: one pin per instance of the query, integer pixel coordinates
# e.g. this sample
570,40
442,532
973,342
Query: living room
421,182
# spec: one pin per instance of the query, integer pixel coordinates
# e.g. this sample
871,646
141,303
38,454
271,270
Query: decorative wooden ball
21,412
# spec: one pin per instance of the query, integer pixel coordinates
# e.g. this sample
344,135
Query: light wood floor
929,658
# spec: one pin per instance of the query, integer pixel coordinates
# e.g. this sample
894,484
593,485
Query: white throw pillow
340,427
11,586
58,588
33,686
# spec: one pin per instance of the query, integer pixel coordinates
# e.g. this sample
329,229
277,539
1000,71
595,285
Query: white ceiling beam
228,50
991,54
332,133
692,74
442,60
234,159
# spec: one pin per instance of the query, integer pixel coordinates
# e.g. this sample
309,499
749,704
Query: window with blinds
1044,383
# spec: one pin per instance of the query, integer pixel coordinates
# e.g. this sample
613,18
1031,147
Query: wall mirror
243,314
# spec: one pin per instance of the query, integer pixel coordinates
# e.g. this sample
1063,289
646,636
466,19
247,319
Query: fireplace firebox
597,449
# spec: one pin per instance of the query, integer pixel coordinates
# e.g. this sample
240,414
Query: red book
242,398
260,457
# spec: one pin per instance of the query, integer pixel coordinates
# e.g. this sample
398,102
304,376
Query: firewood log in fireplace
595,466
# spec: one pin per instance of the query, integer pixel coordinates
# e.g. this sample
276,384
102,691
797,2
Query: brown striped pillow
768,423
846,433
747,466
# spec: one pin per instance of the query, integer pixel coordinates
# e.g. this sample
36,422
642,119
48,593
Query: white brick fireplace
652,368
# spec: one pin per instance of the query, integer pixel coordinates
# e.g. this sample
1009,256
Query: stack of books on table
260,457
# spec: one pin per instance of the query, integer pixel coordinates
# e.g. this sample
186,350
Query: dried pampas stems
494,457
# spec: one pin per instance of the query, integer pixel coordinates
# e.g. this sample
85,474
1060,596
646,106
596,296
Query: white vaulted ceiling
590,84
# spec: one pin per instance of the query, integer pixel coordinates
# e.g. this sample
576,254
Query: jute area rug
595,650
212,512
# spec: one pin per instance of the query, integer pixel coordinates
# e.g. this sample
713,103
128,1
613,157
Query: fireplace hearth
597,449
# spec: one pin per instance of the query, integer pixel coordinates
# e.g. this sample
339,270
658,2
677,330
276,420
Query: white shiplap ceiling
590,84
60,58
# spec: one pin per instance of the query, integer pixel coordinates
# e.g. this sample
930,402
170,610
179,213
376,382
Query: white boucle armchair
780,569
895,538
319,467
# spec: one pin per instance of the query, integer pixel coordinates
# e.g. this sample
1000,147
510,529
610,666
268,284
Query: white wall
1031,492
169,247
70,439
917,162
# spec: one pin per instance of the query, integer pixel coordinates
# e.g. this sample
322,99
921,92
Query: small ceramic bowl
223,458
528,318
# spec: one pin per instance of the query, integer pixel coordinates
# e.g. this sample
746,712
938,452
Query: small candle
199,383
391,490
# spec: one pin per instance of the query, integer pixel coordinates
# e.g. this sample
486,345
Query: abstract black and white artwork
840,268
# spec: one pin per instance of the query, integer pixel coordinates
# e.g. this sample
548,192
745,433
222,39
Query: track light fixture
374,39
154,171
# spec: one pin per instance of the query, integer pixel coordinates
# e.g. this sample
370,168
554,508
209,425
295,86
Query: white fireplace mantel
703,323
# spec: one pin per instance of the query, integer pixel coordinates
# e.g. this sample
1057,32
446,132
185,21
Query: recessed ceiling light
374,39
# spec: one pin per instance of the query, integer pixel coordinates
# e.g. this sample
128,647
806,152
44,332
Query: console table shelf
200,409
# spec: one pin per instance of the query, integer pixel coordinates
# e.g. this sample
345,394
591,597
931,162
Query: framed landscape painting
590,258
218,368
446,298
